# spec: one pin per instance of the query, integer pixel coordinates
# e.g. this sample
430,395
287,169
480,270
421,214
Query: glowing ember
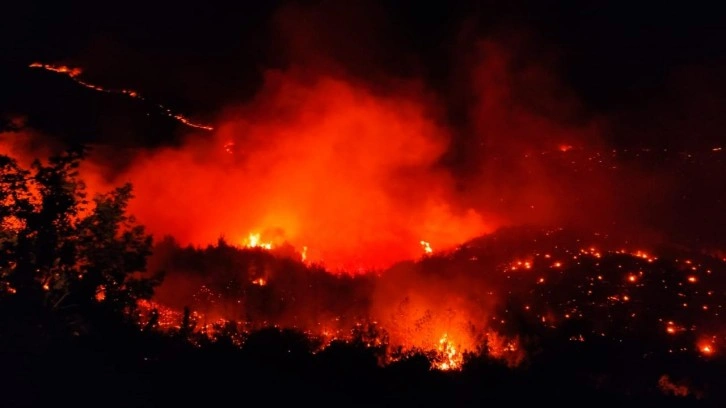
706,346
413,321
101,293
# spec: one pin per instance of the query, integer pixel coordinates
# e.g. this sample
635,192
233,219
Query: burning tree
64,252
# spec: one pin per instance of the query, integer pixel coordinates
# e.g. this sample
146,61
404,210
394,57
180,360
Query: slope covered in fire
490,291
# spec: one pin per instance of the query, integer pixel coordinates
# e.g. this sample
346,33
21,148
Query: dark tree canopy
64,252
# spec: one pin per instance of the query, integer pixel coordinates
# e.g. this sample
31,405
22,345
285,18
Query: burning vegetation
329,212
481,297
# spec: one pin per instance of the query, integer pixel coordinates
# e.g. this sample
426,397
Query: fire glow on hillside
471,300
342,215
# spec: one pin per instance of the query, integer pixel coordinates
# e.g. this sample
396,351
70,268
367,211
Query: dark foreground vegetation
73,272
118,365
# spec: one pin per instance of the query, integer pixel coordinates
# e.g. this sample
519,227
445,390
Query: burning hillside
465,196
346,206
489,295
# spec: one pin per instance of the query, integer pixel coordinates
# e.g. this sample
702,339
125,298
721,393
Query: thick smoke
320,162
359,175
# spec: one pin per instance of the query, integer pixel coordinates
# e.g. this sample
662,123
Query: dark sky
631,61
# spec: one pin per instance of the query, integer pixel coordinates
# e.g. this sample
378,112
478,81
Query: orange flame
74,74
448,358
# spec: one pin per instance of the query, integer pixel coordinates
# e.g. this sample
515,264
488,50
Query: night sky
653,69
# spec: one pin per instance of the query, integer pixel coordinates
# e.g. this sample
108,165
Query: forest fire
442,306
375,202
470,298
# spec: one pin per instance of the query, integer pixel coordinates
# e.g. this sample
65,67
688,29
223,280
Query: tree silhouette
59,250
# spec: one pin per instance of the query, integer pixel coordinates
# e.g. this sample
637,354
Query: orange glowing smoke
505,348
325,164
359,176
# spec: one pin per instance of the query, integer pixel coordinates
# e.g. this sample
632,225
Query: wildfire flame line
74,73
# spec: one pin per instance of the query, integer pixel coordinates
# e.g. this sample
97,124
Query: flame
74,74
254,241
61,69
427,248
447,358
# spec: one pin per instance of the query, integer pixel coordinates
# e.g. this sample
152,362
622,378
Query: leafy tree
15,207
64,252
